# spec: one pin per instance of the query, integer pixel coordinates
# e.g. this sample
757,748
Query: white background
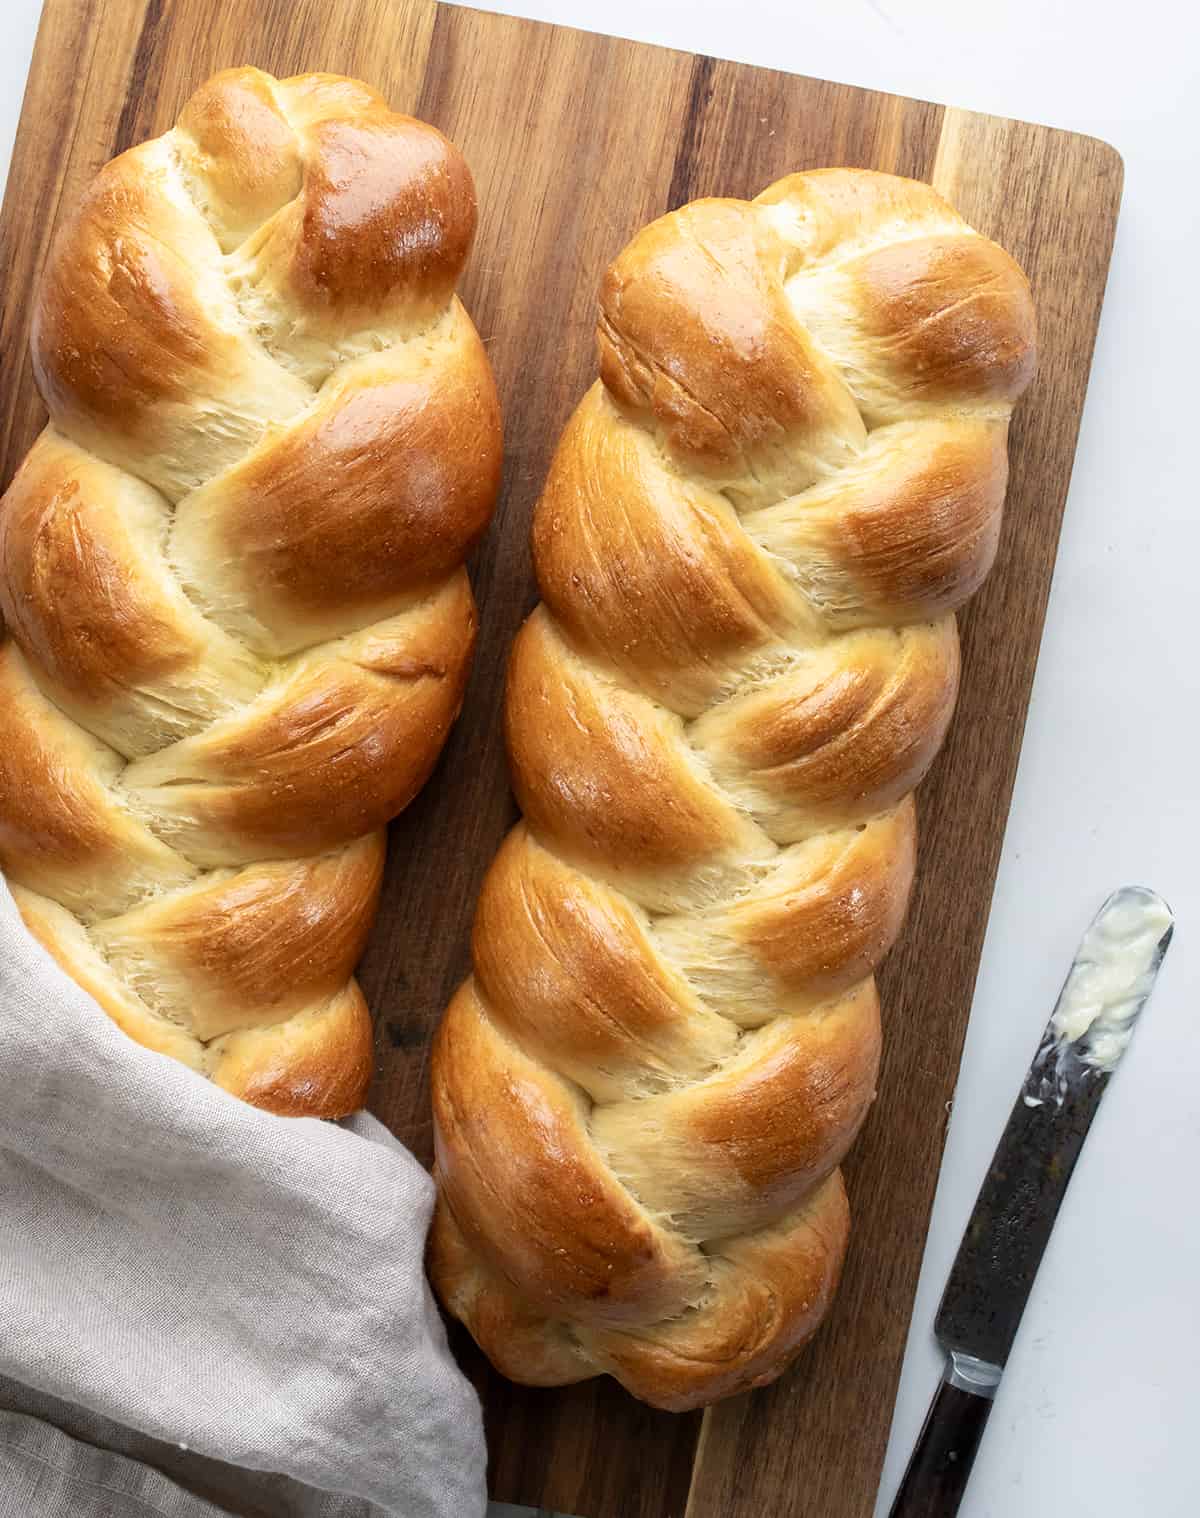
1097,1413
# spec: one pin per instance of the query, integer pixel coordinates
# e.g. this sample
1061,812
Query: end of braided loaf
750,547
237,623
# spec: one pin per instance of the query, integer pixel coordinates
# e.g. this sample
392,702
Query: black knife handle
937,1473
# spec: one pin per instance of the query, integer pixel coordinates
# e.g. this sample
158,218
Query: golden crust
744,1145
574,1236
814,928
768,1295
87,595
951,314
719,363
237,625
237,142
752,540
252,947
770,1291
572,971
663,584
521,1342
317,530
67,942
841,737
64,831
367,181
606,772
906,533
335,749
316,1064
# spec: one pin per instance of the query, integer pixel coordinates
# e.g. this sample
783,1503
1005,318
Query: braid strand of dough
753,537
237,622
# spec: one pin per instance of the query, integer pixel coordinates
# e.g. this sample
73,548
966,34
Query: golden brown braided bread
238,625
750,547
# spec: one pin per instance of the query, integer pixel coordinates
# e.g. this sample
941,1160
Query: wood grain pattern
576,140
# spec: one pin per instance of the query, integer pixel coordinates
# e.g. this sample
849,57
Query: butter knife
1093,1021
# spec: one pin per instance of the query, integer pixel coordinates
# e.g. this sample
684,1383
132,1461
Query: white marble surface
1095,1416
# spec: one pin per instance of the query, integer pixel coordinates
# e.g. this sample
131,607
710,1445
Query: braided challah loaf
750,547
238,625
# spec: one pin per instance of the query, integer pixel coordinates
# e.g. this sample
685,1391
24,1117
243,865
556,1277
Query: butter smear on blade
1112,975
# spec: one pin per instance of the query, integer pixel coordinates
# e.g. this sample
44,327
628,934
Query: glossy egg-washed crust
237,622
750,547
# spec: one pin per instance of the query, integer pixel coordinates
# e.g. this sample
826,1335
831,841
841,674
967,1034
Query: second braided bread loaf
236,622
750,547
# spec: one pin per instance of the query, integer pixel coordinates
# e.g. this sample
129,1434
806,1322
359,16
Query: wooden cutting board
575,141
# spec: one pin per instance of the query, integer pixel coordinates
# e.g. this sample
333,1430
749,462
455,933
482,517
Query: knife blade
989,1284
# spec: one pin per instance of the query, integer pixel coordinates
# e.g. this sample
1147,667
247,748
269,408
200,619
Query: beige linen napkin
205,1308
